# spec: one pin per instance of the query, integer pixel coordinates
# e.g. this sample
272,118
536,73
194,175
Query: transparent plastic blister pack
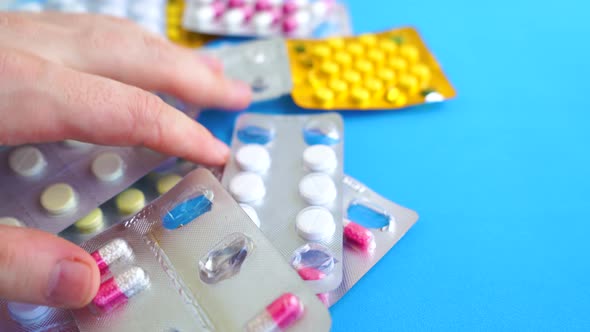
372,226
263,64
262,18
21,317
286,170
53,185
193,261
148,13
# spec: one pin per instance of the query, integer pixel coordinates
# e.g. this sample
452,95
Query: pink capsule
309,273
119,289
110,253
279,315
359,237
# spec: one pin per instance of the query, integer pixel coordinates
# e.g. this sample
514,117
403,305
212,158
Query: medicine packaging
286,170
50,186
23,317
194,261
176,33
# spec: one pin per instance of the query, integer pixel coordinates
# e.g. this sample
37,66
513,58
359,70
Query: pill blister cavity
253,158
59,198
108,166
247,187
117,290
225,259
188,210
320,158
11,221
321,132
130,201
91,223
251,212
315,223
313,261
27,161
27,314
370,216
280,315
167,182
117,250
358,237
318,189
251,134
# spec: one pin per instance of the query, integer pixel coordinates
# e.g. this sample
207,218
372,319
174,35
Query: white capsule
253,158
320,158
247,187
115,250
132,281
318,189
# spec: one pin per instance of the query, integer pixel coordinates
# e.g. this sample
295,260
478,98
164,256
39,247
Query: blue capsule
187,211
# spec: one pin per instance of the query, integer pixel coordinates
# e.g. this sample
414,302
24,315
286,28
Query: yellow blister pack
175,31
388,70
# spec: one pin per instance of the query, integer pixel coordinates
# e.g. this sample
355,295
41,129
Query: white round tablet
320,158
251,213
317,189
26,313
203,15
302,17
234,17
10,221
27,161
319,8
315,223
262,21
108,166
247,187
253,158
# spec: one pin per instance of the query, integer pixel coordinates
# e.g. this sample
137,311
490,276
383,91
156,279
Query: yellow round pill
338,85
343,58
410,52
395,96
167,182
409,82
360,95
59,198
91,222
388,45
369,40
373,84
329,68
422,72
363,66
386,75
336,43
355,48
130,201
398,64
321,51
376,56
351,76
313,80
324,95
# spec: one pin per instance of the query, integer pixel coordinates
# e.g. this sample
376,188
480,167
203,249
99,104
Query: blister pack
193,261
261,18
175,31
388,70
51,186
372,226
287,170
263,64
148,13
22,317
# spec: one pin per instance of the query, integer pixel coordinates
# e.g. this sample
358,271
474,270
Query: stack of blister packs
270,241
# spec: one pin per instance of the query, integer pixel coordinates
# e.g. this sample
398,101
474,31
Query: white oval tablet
26,313
253,158
234,17
59,198
315,223
247,187
317,189
251,213
108,166
10,221
320,158
27,161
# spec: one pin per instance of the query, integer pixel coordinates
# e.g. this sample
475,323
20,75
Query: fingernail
240,94
211,63
222,150
69,283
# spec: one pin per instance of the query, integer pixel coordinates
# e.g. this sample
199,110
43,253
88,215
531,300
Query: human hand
86,77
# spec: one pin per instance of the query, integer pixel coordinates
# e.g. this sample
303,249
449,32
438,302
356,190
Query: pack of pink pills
51,186
286,171
290,18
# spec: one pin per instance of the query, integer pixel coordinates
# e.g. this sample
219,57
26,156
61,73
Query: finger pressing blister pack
175,31
51,186
148,13
372,226
255,18
287,172
193,261
388,70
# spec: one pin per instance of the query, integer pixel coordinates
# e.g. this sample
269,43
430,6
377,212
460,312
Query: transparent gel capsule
321,132
225,259
188,210
255,135
313,261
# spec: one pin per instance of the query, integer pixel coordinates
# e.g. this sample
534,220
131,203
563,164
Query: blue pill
255,135
187,211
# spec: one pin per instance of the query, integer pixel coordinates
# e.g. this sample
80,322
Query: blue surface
500,176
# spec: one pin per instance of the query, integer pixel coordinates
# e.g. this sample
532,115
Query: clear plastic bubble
225,259
321,132
256,134
313,261
188,210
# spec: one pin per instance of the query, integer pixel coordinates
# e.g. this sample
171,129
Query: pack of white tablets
50,186
151,14
372,226
292,18
286,171
193,261
263,64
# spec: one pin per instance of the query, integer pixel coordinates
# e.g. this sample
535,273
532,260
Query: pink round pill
236,3
290,24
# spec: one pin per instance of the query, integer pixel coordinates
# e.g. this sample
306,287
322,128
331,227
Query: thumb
41,268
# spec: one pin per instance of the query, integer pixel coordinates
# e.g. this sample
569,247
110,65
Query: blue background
499,176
